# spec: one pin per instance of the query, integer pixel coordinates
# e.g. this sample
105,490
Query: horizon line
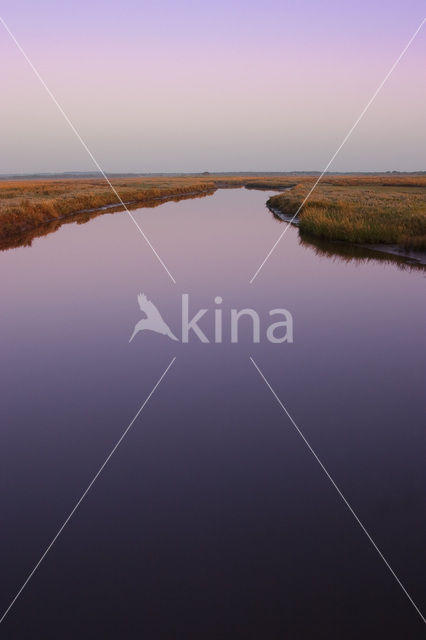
204,173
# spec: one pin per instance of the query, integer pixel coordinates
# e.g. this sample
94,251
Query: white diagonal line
339,491
345,139
95,162
80,500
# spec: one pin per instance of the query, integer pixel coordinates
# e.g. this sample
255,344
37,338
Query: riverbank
381,212
25,237
388,212
28,204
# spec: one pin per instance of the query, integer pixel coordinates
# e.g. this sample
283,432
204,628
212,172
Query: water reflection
340,251
25,238
213,520
346,252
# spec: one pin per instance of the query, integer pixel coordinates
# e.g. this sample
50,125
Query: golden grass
25,237
363,208
27,204
371,210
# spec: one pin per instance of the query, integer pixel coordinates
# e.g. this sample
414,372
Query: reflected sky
212,520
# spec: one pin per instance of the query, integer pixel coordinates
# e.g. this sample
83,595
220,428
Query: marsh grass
363,208
370,211
25,237
27,204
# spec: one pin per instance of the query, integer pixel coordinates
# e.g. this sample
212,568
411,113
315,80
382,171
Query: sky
189,86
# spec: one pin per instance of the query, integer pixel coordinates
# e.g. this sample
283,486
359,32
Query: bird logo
153,320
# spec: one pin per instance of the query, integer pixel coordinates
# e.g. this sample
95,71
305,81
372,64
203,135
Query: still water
213,519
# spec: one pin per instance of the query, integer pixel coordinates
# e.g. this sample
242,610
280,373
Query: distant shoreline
76,175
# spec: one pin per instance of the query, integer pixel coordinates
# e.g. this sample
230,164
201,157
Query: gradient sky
232,85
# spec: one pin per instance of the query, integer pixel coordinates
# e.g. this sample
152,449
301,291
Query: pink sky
193,86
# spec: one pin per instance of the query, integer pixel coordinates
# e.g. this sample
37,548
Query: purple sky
193,86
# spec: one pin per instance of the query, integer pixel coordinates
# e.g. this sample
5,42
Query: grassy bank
366,210
28,204
360,209
25,237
